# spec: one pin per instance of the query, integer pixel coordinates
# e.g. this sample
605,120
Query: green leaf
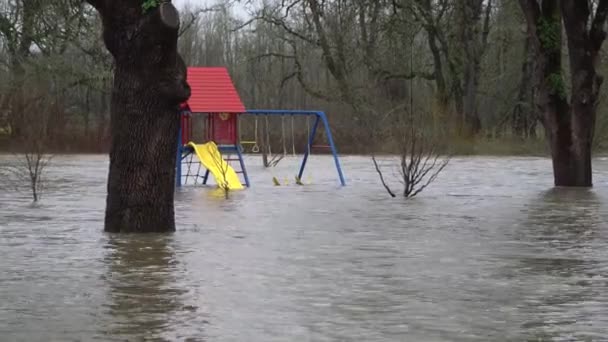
149,4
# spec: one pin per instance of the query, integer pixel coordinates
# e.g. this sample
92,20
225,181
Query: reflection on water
141,285
488,253
561,231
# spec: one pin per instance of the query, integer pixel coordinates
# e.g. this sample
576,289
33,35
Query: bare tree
420,158
27,169
29,172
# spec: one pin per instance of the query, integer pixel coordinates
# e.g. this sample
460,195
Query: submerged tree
569,124
30,170
149,84
420,157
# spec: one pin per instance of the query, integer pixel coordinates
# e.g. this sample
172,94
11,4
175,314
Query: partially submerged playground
209,140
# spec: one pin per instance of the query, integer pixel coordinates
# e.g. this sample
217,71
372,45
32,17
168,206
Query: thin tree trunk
19,51
474,34
442,93
471,84
149,85
522,121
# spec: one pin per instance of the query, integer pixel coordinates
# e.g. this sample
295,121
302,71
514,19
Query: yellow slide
212,160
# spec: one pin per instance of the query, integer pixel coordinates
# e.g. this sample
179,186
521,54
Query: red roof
212,91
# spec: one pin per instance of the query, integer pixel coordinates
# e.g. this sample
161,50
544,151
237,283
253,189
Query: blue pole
310,140
333,147
205,177
238,151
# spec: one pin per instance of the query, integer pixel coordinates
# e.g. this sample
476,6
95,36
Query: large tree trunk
149,85
569,126
583,46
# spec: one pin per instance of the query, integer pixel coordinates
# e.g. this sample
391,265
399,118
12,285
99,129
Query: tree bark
583,47
437,46
18,48
474,39
149,84
442,92
463,60
524,116
568,125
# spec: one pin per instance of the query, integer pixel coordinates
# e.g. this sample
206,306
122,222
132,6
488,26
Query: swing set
255,145
215,99
319,119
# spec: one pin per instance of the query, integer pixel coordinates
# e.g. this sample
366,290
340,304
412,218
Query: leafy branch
149,4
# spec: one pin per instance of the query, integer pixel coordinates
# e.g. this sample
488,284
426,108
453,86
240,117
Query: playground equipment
214,109
211,158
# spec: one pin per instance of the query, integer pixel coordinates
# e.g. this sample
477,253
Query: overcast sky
180,3
237,8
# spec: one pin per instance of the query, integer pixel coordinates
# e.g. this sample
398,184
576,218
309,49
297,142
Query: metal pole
238,151
310,140
333,147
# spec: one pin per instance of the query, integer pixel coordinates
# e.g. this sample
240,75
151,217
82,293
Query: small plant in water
420,159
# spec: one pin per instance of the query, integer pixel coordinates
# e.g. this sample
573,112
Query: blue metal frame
223,148
319,116
237,150
311,138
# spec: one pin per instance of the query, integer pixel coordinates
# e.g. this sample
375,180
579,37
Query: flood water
488,253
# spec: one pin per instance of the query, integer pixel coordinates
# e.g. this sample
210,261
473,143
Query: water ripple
488,253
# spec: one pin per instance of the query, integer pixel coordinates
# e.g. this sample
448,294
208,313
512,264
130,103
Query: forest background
461,70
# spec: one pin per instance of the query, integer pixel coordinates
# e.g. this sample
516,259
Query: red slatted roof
213,91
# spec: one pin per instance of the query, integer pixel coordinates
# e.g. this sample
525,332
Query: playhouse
211,116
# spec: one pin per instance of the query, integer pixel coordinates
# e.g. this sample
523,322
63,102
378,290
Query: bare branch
308,88
193,17
281,23
420,162
271,54
287,78
245,24
486,26
386,75
388,189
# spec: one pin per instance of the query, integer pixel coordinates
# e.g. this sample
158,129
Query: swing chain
274,159
283,135
256,147
293,138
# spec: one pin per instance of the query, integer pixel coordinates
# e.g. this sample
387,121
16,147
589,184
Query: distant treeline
462,68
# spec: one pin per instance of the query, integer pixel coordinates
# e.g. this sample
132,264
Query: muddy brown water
490,252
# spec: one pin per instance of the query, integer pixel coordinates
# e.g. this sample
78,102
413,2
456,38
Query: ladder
232,154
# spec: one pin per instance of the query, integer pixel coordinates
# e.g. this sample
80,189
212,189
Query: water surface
490,252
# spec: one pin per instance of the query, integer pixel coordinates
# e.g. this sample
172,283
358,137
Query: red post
186,127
